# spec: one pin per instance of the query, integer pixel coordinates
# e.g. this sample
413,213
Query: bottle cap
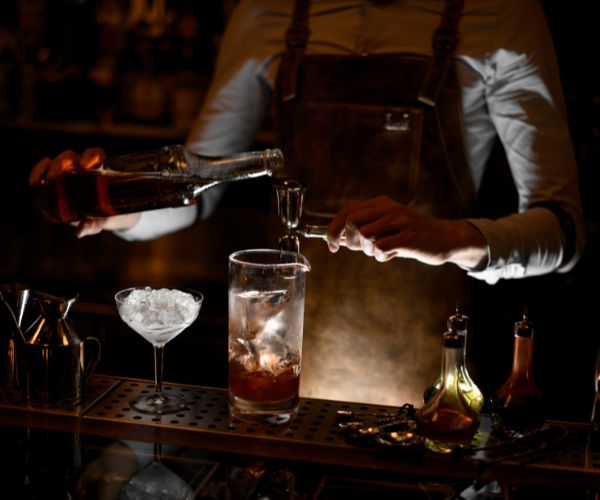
458,321
452,339
524,328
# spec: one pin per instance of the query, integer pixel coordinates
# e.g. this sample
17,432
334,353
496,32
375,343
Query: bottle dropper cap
452,339
458,321
524,328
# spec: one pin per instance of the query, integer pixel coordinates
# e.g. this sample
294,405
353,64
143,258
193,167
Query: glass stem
157,451
158,370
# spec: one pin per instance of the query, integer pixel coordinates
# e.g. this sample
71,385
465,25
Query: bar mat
97,387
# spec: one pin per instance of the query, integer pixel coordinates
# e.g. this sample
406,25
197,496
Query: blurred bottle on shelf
127,61
168,61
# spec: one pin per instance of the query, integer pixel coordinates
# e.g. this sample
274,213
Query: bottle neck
176,162
463,334
452,362
522,357
236,167
166,161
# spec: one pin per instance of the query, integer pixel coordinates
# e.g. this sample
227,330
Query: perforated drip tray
97,386
207,410
314,435
316,424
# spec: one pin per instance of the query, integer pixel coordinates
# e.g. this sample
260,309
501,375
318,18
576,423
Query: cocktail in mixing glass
266,318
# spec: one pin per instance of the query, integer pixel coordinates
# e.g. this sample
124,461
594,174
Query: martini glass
158,315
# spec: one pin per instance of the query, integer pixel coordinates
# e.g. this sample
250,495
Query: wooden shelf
121,130
96,128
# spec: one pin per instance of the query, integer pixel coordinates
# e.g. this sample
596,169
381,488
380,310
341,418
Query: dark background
51,99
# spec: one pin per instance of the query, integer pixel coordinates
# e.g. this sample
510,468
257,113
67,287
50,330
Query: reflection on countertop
109,451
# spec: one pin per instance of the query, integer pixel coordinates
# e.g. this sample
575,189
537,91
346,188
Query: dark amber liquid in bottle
447,420
516,412
98,193
516,407
451,426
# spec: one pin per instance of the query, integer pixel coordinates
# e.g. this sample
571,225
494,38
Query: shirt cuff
155,223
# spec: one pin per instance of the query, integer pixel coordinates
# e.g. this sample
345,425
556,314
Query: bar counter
318,461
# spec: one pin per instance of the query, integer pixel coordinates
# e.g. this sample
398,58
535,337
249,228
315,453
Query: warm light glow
268,360
356,387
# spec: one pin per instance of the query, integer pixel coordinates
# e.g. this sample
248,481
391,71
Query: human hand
67,161
95,225
383,228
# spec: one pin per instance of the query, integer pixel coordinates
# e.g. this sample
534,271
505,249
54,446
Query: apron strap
295,39
443,41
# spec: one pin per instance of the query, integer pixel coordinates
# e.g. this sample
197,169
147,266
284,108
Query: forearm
468,247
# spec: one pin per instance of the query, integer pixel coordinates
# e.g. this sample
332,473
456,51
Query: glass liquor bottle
458,323
516,407
447,420
172,176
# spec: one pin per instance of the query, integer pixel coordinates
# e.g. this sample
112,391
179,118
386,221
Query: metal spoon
343,414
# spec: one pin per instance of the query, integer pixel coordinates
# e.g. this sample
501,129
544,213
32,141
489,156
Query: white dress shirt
510,88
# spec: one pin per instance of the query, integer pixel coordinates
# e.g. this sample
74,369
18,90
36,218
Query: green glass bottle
447,420
458,323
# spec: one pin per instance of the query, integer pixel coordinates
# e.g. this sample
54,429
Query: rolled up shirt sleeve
519,246
526,106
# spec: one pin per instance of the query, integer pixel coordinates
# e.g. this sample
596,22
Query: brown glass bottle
447,420
172,176
516,407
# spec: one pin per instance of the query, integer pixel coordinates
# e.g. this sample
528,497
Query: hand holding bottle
69,161
94,188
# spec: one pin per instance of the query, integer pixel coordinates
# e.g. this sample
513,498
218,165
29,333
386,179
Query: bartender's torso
494,46
354,126
364,28
509,84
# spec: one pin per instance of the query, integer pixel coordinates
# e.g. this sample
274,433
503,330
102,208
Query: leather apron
355,127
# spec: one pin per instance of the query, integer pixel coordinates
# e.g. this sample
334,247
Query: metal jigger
290,197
